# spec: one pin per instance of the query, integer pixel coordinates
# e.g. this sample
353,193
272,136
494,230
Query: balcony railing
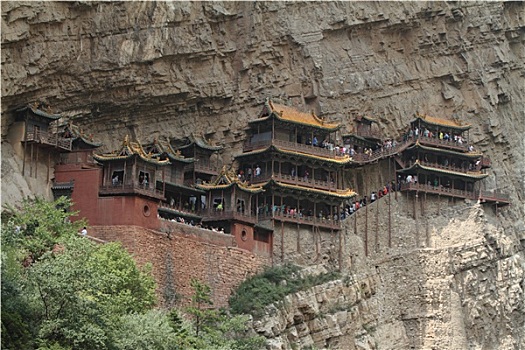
475,171
488,196
447,143
130,188
213,214
297,180
381,152
305,220
50,139
294,146
77,158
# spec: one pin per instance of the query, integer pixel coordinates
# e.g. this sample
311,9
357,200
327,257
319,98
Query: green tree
37,226
151,330
73,292
216,328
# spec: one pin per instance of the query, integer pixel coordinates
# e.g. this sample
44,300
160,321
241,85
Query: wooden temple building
303,180
37,128
365,134
438,160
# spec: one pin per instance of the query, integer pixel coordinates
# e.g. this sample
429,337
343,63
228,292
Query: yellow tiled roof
443,122
226,179
470,174
291,114
468,154
348,193
339,160
129,149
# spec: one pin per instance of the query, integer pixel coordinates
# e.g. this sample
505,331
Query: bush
271,286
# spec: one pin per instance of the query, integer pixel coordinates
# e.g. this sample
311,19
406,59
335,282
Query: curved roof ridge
128,149
294,115
454,124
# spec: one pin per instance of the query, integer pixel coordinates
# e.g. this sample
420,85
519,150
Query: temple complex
292,178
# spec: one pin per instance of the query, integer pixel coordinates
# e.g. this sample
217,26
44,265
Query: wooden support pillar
298,238
355,222
377,227
24,161
415,219
366,229
282,241
48,165
164,184
340,255
390,220
31,162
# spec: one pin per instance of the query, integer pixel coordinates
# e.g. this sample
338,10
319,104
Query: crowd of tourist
353,207
190,222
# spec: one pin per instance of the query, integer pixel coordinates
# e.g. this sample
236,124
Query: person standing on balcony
257,171
315,142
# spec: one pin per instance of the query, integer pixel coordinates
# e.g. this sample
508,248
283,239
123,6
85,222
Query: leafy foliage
60,291
37,226
215,328
271,286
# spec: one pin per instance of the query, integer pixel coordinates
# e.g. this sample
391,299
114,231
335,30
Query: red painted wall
85,191
248,242
109,210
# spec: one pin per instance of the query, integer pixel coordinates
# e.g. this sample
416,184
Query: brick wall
188,252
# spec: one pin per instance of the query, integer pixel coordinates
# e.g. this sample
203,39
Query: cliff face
153,69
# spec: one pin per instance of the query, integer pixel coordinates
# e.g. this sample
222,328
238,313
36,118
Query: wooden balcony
449,144
381,153
212,214
126,189
438,166
484,196
294,146
298,181
48,139
304,220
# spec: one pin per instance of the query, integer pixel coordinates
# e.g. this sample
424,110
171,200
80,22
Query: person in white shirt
84,231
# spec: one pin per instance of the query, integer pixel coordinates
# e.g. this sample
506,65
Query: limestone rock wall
157,69
461,289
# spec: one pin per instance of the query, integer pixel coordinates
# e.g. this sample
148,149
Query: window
240,206
117,177
144,179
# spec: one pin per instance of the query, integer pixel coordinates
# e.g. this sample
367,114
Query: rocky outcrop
457,294
453,278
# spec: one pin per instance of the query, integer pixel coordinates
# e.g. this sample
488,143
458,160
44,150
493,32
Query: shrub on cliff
272,285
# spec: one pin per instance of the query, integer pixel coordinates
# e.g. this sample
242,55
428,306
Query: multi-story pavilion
291,154
439,160
206,164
